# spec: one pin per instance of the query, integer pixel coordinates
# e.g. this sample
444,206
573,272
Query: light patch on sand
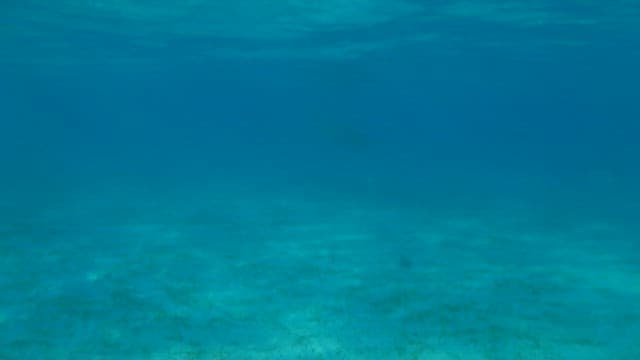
351,236
93,276
307,334
185,352
616,280
305,228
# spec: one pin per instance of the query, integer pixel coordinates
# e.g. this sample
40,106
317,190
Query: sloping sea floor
232,273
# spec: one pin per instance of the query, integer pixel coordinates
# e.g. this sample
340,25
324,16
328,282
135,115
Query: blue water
339,179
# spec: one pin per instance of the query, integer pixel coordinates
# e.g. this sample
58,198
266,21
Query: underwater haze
337,179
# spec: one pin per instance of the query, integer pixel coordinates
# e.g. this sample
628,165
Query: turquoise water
340,179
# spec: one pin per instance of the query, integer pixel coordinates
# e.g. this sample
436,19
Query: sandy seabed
228,274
